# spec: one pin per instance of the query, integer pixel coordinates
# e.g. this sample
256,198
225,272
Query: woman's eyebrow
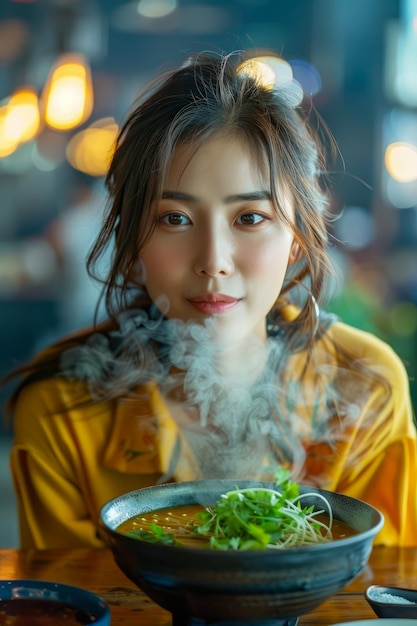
250,196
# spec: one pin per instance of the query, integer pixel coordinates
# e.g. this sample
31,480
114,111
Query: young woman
216,360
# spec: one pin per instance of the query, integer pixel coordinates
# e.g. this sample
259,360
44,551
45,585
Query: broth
174,520
41,612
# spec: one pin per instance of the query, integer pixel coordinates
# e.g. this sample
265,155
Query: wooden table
96,571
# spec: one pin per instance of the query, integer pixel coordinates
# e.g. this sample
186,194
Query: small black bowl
392,601
43,598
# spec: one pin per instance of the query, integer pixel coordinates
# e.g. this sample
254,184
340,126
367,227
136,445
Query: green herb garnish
257,518
155,534
254,518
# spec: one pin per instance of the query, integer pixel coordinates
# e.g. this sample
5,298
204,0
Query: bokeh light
355,228
401,161
90,150
68,93
273,73
308,77
23,117
156,8
8,144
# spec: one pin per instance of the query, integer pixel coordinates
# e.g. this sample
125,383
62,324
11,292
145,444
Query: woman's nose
214,256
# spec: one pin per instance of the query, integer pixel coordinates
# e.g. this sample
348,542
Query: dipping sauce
41,612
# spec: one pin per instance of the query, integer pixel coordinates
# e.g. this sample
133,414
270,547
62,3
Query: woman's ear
295,253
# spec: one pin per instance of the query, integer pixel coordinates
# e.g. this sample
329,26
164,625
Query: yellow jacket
70,457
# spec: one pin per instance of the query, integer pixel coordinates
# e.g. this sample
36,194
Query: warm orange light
268,70
258,69
23,117
90,150
68,93
7,143
273,72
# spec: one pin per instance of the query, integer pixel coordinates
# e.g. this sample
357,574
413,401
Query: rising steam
237,426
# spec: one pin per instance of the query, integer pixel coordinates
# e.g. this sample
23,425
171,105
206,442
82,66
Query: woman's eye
175,219
249,219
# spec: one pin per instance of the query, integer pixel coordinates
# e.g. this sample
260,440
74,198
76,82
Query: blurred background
69,71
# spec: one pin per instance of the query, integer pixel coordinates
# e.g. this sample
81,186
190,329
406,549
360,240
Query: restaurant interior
355,62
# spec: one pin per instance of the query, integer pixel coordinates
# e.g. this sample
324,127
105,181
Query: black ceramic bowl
47,602
261,587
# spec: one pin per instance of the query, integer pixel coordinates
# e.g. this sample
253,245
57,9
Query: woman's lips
214,304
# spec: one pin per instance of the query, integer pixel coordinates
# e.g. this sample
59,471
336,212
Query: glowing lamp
68,93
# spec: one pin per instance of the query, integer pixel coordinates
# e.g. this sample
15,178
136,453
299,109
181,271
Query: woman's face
218,252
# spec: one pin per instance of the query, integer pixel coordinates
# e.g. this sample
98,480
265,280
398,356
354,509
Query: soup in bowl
201,585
